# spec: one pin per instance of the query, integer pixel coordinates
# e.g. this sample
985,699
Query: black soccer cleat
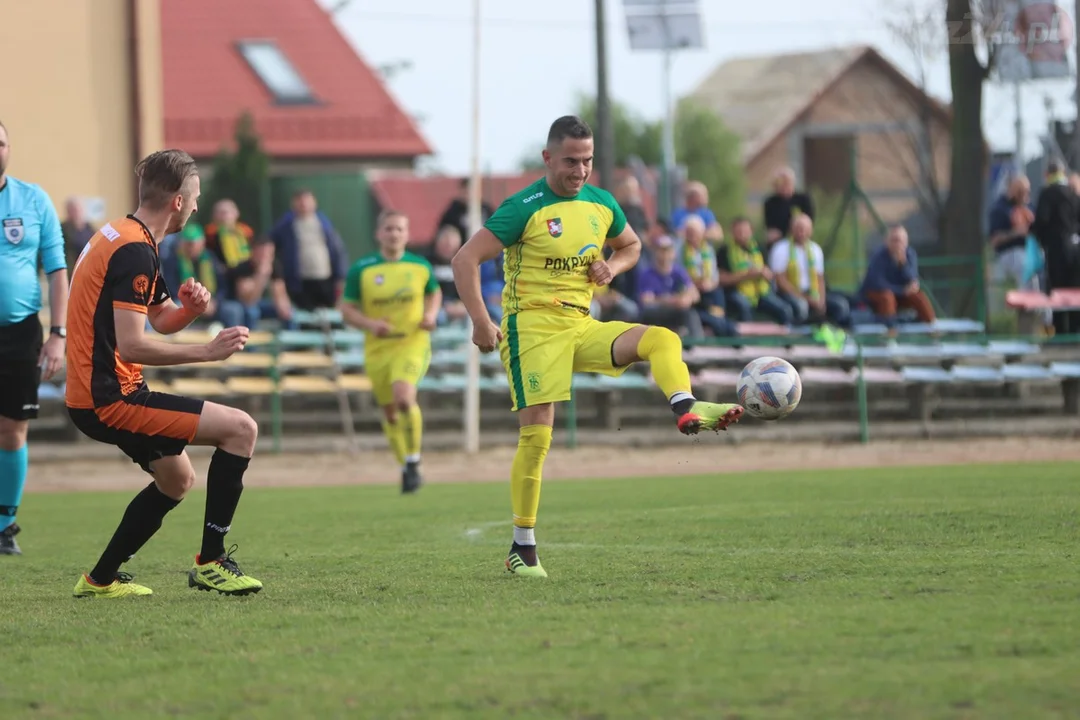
8,546
410,477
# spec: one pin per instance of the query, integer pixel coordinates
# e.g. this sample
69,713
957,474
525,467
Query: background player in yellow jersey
552,234
393,296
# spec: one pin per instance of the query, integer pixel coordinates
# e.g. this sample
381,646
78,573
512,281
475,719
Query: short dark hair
301,192
1055,166
162,175
568,126
740,219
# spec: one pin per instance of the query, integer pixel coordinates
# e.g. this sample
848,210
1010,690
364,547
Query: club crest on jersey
555,227
13,230
141,286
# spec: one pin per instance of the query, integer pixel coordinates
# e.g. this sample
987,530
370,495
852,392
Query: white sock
524,536
679,397
412,458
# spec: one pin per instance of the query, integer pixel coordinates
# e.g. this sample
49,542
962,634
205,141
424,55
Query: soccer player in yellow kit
552,234
392,295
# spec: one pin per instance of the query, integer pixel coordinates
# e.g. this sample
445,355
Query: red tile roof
424,199
208,84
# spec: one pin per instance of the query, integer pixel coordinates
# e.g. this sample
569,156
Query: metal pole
667,199
864,410
605,136
1076,100
1018,106
472,389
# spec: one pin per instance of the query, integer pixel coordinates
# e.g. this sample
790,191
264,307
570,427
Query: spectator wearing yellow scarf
747,279
799,265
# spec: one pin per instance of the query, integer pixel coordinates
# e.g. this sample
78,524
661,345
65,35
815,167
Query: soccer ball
769,388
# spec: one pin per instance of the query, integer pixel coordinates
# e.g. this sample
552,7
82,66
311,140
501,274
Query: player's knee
246,433
174,479
12,433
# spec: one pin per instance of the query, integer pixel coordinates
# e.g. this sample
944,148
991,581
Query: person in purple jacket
666,294
892,281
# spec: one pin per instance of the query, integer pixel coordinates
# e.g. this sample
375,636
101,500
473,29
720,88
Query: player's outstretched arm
432,303
134,346
480,248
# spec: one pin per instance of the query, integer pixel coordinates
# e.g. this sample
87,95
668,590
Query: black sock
224,483
141,520
682,407
527,553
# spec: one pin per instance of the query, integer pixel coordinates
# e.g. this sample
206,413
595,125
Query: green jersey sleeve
432,285
351,292
618,219
508,221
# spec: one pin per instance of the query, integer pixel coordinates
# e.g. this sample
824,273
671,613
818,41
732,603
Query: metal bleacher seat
826,376
1069,370
976,374
925,375
1015,372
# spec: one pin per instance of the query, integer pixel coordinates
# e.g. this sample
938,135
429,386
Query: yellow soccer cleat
222,575
517,564
121,586
709,416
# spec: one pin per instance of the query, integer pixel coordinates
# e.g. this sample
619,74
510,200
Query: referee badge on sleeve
13,230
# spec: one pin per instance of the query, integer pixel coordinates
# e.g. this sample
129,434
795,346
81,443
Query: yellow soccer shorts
406,361
541,350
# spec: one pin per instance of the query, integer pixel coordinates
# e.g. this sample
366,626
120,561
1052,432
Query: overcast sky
536,57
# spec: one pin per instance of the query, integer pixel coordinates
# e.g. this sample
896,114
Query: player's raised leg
662,349
233,432
534,441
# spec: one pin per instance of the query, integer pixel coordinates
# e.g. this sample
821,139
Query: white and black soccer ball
769,388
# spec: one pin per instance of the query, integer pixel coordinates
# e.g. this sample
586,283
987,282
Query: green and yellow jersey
393,291
550,243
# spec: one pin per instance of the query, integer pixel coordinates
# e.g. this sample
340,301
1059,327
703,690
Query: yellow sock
533,444
663,350
392,431
412,432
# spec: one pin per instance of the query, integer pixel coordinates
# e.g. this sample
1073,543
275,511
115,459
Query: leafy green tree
241,175
710,152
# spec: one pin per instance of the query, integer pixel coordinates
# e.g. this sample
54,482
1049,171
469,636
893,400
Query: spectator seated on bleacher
892,281
447,242
248,267
699,259
799,266
667,294
184,255
748,280
610,304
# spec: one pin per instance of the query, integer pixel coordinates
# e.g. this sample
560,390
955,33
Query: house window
276,72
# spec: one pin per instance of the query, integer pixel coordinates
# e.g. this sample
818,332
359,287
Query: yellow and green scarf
204,272
811,269
700,263
234,245
743,259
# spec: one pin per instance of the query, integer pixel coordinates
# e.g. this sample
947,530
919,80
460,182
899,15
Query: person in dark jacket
312,257
1057,222
892,281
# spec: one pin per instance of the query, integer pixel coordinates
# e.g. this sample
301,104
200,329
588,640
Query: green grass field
895,593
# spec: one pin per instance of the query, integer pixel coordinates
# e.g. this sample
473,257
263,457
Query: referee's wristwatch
58,330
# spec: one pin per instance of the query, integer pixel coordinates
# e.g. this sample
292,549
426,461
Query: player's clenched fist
227,342
600,273
486,336
194,297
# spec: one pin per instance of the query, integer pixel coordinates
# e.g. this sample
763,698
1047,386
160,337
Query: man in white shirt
799,266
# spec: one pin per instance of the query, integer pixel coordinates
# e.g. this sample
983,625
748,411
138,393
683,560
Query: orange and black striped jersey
119,269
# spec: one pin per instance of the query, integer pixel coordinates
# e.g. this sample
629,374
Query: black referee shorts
20,374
